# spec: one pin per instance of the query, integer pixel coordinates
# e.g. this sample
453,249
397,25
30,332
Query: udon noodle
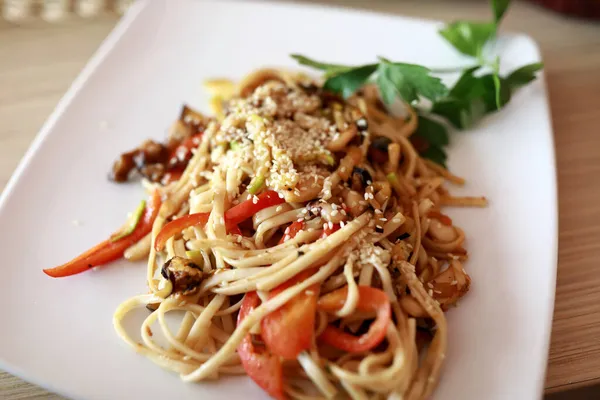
305,233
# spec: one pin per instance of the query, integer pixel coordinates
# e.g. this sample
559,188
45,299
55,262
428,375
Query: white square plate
59,334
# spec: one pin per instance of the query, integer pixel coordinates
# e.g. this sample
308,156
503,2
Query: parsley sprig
480,90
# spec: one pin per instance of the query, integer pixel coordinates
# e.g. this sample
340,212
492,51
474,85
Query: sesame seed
396,220
334,213
330,225
278,209
342,224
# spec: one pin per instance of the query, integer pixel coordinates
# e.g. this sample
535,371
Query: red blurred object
580,8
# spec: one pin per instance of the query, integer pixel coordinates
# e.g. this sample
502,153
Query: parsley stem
496,76
450,70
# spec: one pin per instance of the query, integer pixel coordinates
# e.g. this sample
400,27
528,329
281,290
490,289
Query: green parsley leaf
464,104
467,85
316,64
348,82
420,79
522,76
435,154
432,132
462,113
472,97
468,37
493,101
409,81
499,7
329,69
386,81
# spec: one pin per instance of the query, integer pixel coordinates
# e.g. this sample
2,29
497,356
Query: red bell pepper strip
370,299
233,217
182,153
264,368
292,230
248,208
234,230
108,250
171,176
177,225
288,330
328,231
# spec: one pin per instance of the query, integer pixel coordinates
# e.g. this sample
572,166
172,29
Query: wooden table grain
38,61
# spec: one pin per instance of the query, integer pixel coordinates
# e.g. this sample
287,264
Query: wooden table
38,61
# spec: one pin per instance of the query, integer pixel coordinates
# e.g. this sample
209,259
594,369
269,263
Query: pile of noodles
393,236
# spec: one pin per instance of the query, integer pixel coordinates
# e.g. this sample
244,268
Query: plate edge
70,95
95,61
555,223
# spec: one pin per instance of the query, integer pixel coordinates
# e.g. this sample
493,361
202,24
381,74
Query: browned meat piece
148,159
153,159
178,132
123,167
151,152
185,275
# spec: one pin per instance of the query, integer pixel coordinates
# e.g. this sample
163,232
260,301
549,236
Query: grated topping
281,130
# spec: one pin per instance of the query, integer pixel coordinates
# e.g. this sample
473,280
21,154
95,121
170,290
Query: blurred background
45,43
